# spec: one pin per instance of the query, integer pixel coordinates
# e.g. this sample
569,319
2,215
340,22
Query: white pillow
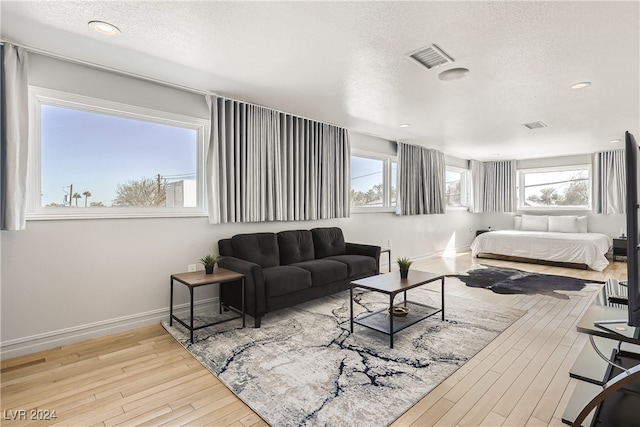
517,222
582,224
535,222
564,224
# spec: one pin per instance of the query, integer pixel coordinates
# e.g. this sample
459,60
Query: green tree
372,196
577,194
145,192
453,193
97,205
548,197
86,195
77,196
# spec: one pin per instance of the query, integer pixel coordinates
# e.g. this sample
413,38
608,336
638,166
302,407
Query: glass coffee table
391,284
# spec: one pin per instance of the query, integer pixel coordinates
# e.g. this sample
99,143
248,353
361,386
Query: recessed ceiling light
580,85
453,74
614,141
405,125
104,28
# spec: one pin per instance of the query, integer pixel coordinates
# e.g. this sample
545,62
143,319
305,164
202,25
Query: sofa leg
257,320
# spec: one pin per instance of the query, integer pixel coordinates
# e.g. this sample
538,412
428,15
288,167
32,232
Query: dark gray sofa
287,268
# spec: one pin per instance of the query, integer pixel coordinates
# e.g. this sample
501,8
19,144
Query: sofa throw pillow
535,222
295,246
563,224
328,241
259,248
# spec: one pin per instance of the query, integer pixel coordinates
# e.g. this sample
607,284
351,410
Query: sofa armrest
366,250
255,296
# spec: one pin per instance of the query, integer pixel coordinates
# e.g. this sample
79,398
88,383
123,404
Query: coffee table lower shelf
378,320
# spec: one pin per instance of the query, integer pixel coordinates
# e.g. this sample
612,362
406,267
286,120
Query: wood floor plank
492,420
168,417
488,400
468,400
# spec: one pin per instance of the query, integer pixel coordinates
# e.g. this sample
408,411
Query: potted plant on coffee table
209,261
404,264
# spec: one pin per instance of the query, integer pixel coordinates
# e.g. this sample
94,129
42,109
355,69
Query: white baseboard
49,340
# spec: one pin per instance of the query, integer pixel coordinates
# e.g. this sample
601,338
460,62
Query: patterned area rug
502,280
304,368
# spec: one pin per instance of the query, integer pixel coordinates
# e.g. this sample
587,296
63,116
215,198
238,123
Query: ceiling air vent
534,125
429,56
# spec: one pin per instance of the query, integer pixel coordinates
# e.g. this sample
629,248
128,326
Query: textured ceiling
344,63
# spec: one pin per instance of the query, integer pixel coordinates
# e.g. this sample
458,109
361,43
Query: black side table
619,247
199,278
479,232
388,251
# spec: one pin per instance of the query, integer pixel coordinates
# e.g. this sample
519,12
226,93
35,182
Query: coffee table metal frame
391,284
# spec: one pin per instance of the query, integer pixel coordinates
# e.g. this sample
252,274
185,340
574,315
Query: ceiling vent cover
429,56
534,125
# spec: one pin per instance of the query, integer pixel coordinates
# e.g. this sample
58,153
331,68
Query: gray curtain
14,137
421,180
493,186
264,165
610,187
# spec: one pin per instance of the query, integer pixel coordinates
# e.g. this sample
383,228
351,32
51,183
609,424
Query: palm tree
86,195
77,196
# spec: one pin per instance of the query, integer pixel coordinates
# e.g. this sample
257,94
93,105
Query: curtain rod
148,79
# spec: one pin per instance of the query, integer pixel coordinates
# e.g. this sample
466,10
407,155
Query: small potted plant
404,264
209,261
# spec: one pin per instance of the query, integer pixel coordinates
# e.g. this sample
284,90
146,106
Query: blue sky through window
96,152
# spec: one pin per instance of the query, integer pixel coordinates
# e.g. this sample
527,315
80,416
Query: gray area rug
304,368
503,280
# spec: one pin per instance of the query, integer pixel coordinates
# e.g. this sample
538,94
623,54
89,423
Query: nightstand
479,232
619,247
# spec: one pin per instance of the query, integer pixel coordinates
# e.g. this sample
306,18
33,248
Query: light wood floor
143,377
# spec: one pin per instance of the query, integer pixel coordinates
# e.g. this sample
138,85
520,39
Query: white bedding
582,248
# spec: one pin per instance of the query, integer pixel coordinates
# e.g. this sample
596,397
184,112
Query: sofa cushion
282,280
328,241
357,265
324,271
259,248
295,246
225,248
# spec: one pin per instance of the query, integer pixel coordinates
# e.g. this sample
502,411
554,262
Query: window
373,182
567,187
95,158
457,185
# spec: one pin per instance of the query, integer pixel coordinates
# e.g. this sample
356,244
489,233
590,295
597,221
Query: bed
568,245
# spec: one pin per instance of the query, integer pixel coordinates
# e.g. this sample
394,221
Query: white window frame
464,191
39,96
522,172
387,160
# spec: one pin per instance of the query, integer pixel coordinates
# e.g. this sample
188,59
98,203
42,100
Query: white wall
64,281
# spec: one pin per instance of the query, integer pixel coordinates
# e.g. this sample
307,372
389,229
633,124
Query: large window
566,187
373,182
93,158
457,187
